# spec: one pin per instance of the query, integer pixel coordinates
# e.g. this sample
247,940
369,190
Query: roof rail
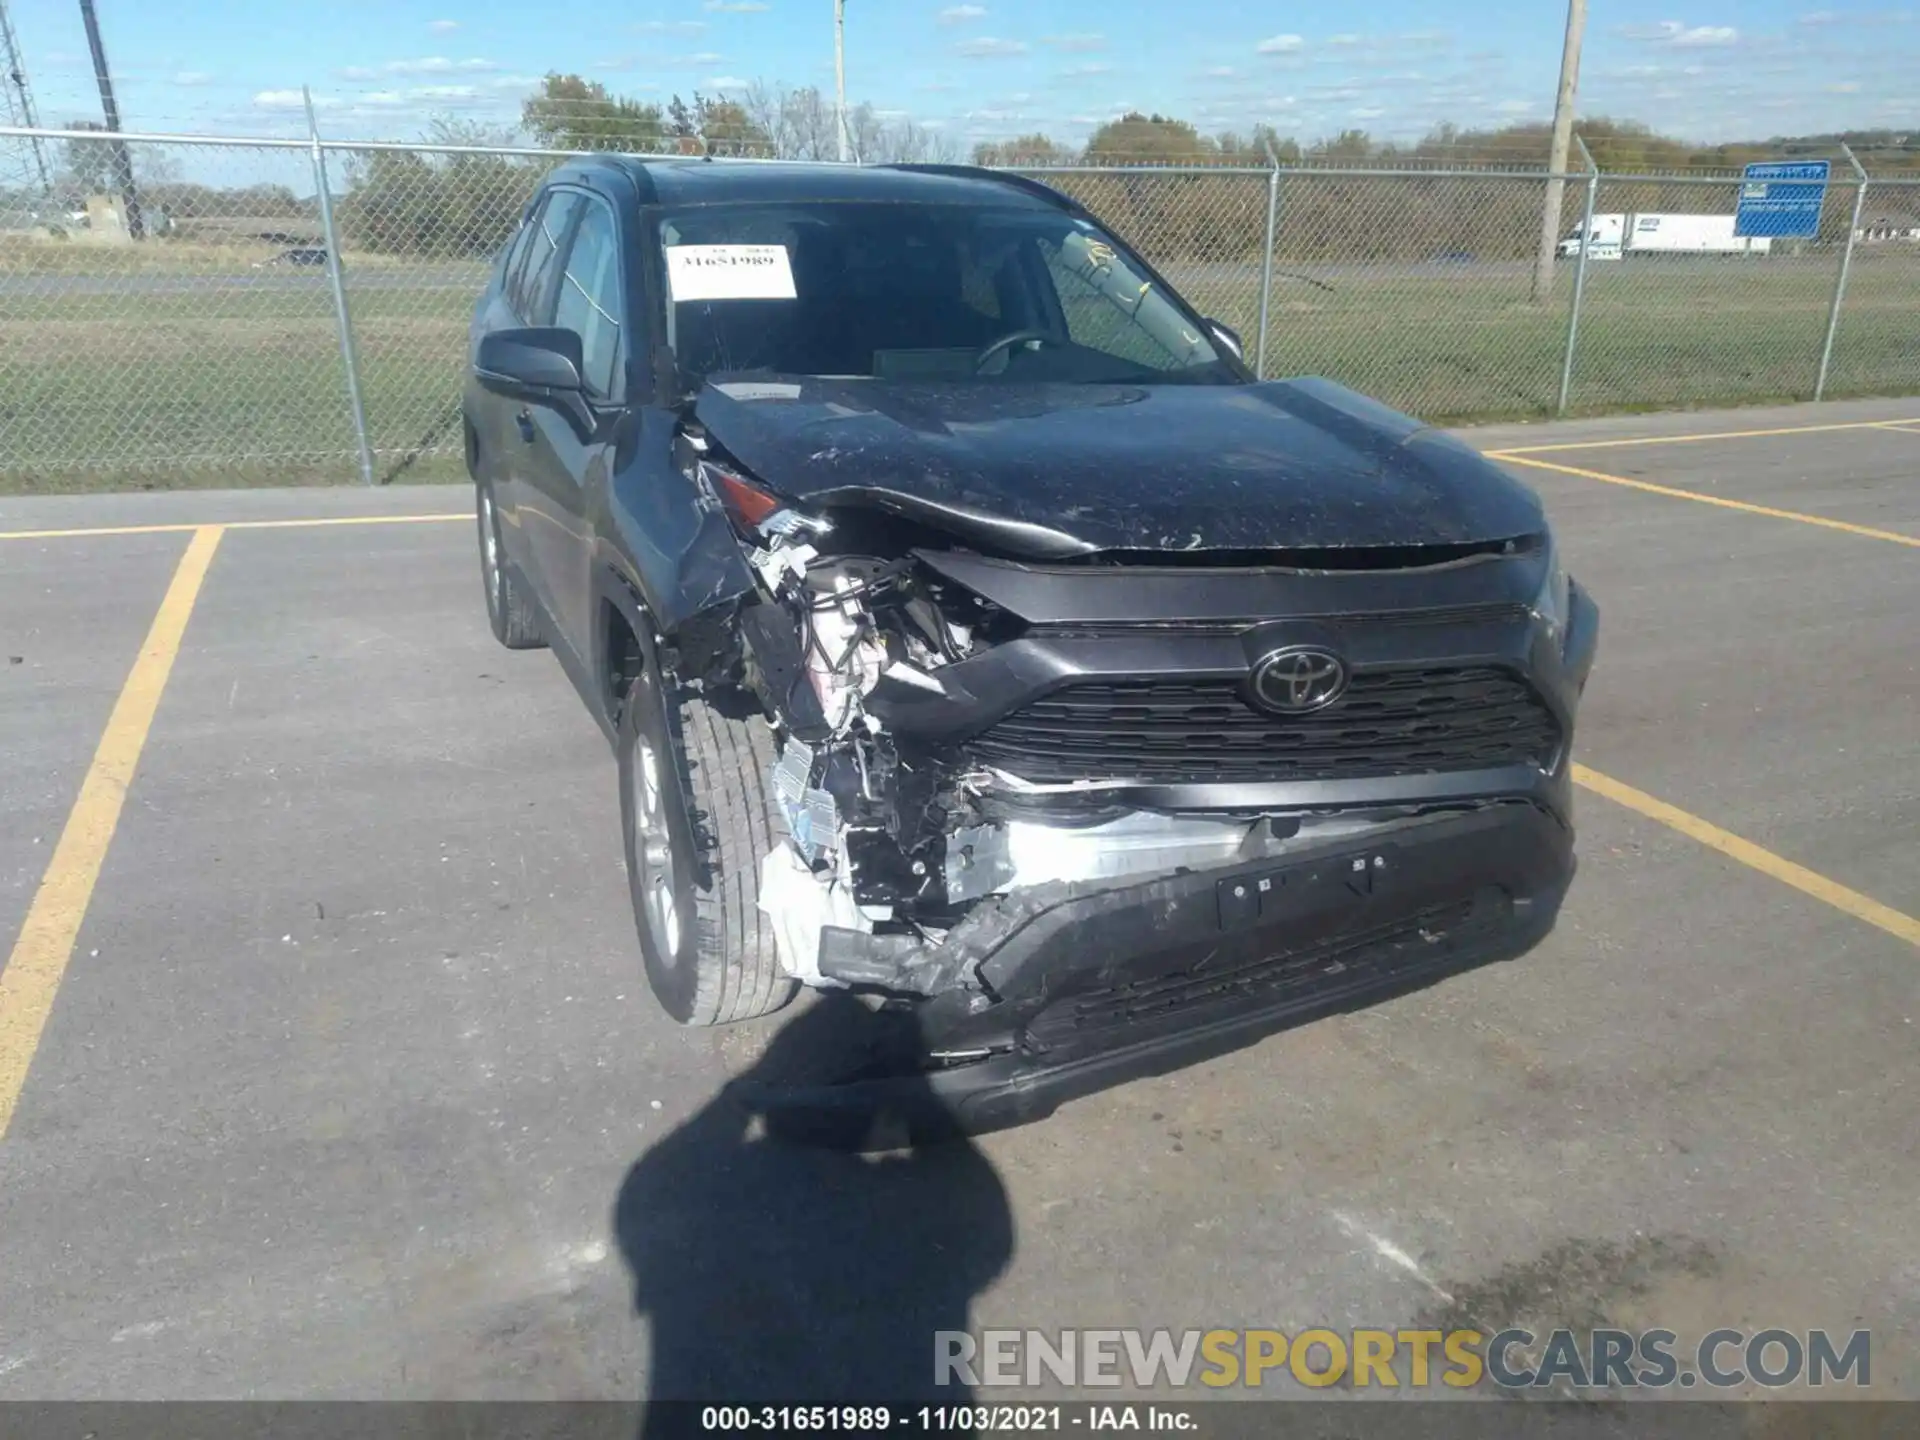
1001,177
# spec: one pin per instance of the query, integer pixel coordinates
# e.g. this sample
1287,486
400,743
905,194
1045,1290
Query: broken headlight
1553,606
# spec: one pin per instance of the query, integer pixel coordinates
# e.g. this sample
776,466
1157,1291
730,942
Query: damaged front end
1048,806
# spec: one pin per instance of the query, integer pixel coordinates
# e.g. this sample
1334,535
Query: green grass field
113,378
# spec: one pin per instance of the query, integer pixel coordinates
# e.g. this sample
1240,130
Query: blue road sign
1782,198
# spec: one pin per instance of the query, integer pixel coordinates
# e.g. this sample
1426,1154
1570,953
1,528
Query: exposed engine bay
856,645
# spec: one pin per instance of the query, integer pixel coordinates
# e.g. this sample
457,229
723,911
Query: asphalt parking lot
327,1069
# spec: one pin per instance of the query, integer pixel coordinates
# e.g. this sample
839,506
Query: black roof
691,181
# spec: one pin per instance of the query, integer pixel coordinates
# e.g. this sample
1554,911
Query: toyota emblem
1299,679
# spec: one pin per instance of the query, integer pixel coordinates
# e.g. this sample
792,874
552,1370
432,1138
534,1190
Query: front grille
1354,960
1498,612
1390,722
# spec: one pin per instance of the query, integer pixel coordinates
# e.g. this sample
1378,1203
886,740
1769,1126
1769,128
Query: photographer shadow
773,1269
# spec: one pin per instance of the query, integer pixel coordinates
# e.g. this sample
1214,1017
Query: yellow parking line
94,531
1900,427
1808,882
39,959
1691,439
1510,458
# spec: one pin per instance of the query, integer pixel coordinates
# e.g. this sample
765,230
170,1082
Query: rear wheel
698,821
510,611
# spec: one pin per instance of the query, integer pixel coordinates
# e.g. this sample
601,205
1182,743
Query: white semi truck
1616,236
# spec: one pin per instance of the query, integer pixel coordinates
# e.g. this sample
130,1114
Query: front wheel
698,821
510,610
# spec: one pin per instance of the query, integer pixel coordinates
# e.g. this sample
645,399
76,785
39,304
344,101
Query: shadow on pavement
769,1269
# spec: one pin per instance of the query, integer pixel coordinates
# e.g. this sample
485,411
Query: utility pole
122,160
840,75
1557,158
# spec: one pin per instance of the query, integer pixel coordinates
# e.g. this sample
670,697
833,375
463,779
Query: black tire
716,963
510,609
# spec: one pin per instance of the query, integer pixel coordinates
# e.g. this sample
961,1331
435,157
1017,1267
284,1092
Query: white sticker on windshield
729,272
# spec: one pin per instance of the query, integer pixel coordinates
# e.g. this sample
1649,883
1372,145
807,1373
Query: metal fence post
1846,263
1579,277
332,241
1266,268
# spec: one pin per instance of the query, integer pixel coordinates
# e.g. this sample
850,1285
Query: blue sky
1707,69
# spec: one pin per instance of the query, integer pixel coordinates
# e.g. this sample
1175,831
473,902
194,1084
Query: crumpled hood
1050,471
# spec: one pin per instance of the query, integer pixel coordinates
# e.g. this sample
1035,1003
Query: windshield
919,292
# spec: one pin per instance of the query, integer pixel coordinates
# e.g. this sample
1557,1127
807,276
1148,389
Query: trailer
1617,236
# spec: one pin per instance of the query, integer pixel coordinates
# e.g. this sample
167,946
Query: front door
566,458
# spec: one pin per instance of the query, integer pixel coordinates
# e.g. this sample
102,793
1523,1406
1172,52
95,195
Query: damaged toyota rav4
977,634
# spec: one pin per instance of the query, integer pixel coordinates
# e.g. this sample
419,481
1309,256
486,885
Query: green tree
1138,139
725,128
1022,150
570,113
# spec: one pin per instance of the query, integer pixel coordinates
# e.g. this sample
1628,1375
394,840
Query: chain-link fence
296,311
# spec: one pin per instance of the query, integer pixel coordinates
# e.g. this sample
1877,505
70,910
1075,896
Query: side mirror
1227,336
541,363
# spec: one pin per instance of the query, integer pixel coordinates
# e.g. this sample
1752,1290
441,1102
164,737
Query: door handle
525,421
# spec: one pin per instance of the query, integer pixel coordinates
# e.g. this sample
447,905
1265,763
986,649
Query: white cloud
1279,102
358,72
934,87
989,47
669,27
1819,17
727,82
443,92
994,116
1677,32
443,27
1096,67
435,65
380,100
1222,72
738,7
1844,87
1343,40
1514,107
1369,112
961,14
1080,42
1282,45
291,100
513,82
193,77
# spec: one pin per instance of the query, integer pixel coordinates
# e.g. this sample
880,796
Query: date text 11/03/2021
946,1419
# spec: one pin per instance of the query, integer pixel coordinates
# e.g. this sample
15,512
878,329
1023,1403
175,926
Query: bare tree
803,126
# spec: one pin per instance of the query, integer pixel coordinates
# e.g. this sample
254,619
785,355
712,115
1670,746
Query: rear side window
530,291
589,303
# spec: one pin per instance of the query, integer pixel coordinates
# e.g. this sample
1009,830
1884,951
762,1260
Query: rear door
566,459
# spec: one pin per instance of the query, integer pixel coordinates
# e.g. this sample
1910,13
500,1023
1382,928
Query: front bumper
1088,986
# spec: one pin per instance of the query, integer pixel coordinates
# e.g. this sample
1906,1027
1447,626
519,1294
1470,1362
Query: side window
1098,318
590,301
516,251
531,291
977,287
